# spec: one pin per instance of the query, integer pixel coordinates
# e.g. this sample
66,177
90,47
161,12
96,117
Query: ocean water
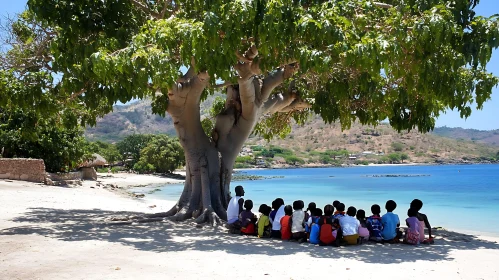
457,197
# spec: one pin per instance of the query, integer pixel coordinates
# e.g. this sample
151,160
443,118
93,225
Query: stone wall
25,169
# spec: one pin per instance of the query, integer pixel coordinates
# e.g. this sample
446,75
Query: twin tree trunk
210,159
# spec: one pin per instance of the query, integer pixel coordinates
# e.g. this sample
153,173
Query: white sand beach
51,232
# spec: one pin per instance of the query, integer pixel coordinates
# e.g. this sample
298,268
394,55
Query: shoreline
286,166
56,232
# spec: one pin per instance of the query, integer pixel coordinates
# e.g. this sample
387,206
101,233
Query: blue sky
486,119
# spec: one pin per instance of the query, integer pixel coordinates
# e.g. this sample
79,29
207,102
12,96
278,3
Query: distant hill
443,144
490,137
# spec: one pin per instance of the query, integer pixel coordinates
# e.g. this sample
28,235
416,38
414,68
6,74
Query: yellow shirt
263,222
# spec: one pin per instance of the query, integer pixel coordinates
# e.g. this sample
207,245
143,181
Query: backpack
326,234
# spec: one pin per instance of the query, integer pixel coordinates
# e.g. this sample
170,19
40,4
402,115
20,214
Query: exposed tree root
209,216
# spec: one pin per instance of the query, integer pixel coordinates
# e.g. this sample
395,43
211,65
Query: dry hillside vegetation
314,136
422,148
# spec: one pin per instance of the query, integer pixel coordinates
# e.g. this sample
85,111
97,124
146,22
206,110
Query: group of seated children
333,226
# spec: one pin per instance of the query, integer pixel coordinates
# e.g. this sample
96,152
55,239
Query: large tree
349,60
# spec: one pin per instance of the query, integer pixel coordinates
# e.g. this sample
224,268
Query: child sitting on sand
264,226
274,211
326,235
277,216
417,204
391,223
412,233
310,211
340,211
363,231
286,223
350,226
374,224
298,222
314,226
247,218
312,208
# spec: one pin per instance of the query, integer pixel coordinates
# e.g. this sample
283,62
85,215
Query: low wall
25,169
64,176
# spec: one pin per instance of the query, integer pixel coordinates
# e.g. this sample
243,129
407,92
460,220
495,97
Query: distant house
367,153
352,157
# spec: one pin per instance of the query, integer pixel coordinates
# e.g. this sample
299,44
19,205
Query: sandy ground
49,232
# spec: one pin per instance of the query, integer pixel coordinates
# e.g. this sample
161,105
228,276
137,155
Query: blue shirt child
390,222
315,231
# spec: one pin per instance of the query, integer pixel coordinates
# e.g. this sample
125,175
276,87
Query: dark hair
417,204
328,210
390,205
264,209
279,202
288,210
275,205
351,211
317,212
412,212
340,207
239,189
298,205
375,209
335,203
311,207
248,204
361,215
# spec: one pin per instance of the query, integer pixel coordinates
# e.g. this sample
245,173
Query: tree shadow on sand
167,236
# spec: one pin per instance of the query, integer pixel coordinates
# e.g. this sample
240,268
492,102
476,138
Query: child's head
417,204
298,205
390,205
328,210
264,209
361,215
275,205
248,205
335,203
340,207
317,212
351,211
412,212
279,202
311,207
288,210
375,209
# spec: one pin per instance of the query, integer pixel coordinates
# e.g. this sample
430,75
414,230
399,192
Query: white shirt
349,225
233,210
276,224
297,218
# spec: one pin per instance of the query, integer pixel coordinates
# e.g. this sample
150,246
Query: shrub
293,160
397,146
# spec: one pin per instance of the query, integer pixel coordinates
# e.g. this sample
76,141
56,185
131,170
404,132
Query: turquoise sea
457,197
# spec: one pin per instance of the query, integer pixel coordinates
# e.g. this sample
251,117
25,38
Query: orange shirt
286,228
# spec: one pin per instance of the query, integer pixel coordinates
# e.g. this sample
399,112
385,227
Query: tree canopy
404,60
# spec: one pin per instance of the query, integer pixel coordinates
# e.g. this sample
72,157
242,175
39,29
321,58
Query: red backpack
326,235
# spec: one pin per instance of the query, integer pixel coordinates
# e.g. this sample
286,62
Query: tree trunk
210,160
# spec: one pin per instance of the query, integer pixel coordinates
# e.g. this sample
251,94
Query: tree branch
276,78
383,5
249,86
287,102
145,9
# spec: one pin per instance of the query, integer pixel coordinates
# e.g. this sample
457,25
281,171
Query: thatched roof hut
97,161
